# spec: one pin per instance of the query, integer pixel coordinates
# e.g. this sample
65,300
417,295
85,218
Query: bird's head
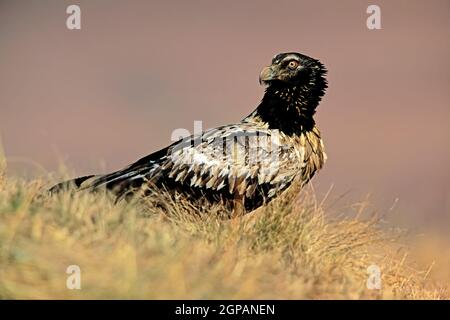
291,68
295,84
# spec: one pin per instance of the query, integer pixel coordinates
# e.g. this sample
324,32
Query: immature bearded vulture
247,163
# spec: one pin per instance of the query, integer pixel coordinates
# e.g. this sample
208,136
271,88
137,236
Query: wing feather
234,157
237,159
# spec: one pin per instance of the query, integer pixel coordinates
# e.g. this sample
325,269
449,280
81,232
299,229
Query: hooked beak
267,74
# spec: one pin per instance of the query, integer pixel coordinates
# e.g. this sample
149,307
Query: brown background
116,89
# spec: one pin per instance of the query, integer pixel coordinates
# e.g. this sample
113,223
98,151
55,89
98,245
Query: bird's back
247,163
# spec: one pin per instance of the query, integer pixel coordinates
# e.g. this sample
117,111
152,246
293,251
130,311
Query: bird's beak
267,74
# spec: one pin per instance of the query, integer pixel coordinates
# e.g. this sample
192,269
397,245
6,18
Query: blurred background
98,98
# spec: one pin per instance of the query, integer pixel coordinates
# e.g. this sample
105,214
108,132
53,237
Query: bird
243,165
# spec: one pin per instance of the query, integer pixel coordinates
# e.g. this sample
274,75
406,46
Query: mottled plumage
244,164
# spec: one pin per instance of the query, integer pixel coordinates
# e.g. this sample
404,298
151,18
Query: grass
289,249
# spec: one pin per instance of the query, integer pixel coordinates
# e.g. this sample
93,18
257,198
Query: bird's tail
73,184
119,182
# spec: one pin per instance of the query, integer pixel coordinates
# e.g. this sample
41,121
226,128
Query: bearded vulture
241,165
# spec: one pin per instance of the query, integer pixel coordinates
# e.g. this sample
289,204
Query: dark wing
236,159
132,175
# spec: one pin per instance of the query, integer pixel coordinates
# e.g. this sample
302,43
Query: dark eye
293,65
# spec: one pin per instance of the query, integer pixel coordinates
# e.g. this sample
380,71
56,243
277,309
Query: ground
290,249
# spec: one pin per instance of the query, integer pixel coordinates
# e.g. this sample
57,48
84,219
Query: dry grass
287,250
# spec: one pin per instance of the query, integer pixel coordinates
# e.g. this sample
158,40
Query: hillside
290,249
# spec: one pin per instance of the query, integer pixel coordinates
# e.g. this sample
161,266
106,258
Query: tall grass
289,249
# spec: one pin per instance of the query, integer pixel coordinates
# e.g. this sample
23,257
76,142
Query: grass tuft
288,249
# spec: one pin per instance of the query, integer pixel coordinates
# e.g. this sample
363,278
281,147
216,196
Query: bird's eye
293,65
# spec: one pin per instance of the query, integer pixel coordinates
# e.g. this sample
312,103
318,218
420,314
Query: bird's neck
290,108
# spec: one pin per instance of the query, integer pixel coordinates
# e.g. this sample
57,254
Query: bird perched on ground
242,165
